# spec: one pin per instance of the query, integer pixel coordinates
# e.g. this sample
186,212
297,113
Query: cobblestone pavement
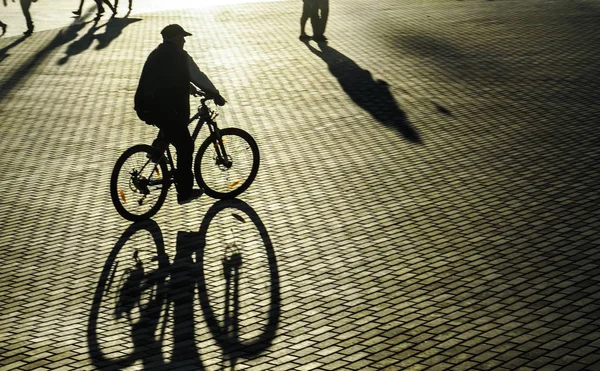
427,197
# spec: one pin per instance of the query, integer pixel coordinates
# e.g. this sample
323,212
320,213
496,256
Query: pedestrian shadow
114,28
4,51
372,95
63,37
144,307
80,45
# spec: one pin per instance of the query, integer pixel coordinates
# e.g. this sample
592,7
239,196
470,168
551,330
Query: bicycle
225,165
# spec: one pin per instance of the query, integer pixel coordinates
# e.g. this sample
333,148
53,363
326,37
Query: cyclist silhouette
169,76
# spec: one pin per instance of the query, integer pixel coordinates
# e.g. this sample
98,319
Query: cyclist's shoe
186,198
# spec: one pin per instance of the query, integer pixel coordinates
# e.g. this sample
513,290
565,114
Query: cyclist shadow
136,295
229,333
374,96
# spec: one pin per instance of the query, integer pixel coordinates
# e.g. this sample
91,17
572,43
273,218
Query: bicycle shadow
138,291
119,304
229,332
372,95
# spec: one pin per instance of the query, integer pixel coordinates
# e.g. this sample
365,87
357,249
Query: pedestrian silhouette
309,11
99,5
25,5
374,96
318,12
2,24
319,21
117,4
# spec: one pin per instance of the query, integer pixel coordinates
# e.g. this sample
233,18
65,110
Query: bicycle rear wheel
220,180
138,186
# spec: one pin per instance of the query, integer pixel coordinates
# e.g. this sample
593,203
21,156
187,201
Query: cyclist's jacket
164,87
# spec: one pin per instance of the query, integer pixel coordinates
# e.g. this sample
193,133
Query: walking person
99,5
2,24
117,4
320,21
162,99
309,9
25,5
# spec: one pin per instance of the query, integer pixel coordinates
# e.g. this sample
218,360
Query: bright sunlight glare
143,6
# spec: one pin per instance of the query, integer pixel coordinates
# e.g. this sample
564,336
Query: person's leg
100,7
78,11
109,5
25,4
179,136
304,18
322,13
324,10
314,16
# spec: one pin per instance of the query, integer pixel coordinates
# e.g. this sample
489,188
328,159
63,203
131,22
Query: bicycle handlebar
206,96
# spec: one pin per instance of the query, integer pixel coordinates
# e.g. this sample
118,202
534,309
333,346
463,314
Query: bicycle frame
207,116
204,115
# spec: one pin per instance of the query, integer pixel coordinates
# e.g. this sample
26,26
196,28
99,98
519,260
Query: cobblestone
429,186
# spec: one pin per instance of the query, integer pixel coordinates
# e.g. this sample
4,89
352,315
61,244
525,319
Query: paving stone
428,182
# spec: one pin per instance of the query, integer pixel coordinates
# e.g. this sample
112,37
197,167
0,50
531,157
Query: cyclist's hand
219,100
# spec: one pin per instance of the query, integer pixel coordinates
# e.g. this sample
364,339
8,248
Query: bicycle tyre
235,180
117,187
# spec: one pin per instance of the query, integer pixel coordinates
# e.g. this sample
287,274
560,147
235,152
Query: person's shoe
319,38
185,198
3,26
29,31
304,37
76,12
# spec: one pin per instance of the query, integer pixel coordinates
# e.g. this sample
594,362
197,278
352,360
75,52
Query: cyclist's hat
174,30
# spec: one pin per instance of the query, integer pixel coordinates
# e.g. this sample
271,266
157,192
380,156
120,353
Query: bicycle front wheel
138,186
230,175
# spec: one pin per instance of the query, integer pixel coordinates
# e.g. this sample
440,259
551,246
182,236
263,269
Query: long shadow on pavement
114,28
63,37
138,290
372,95
4,51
